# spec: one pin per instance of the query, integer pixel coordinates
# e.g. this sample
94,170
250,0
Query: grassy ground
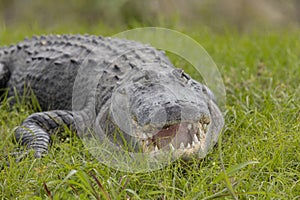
260,149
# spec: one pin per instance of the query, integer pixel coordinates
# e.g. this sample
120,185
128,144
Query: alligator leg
35,131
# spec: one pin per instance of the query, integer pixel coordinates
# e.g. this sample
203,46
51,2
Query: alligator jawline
181,138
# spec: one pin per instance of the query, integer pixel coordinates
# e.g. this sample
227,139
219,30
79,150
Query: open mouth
182,139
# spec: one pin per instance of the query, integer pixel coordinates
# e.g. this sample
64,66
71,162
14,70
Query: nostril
173,113
166,115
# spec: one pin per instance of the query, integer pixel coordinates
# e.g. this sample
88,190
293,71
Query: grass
258,158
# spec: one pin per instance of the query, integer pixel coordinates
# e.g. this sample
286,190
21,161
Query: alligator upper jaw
182,139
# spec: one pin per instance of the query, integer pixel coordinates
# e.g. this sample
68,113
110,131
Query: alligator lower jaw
182,140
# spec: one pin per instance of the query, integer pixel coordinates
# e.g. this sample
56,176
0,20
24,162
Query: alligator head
162,109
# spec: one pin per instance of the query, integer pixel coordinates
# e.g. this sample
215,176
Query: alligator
84,82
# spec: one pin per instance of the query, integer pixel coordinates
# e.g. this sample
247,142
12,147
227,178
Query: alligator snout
169,113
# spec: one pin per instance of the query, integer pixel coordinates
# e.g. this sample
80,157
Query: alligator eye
185,76
179,73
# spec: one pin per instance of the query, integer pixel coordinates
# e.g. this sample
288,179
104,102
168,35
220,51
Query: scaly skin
83,80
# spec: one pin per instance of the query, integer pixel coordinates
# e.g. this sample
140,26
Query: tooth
200,126
188,145
171,147
204,126
201,133
149,135
181,145
155,148
196,138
